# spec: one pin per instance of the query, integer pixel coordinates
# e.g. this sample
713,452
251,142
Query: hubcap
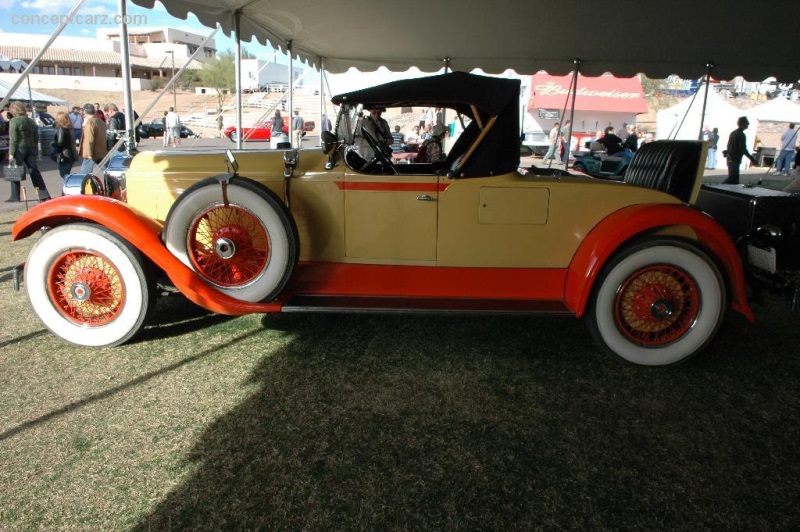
225,248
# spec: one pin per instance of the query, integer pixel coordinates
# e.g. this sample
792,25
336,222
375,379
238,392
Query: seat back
671,166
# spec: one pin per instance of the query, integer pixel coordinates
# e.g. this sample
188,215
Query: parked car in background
155,128
262,131
599,164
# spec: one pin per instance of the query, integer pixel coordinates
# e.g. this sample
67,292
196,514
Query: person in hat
431,150
378,127
737,149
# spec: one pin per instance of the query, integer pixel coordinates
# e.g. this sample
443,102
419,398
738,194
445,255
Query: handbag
12,172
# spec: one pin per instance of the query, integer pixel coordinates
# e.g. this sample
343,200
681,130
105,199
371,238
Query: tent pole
237,64
125,63
35,61
291,94
164,90
577,63
709,66
322,110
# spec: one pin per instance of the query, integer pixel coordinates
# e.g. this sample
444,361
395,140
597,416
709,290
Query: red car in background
262,131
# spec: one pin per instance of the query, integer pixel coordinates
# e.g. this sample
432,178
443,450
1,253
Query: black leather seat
671,166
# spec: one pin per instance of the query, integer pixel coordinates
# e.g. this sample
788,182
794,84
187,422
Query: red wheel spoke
657,305
228,246
86,288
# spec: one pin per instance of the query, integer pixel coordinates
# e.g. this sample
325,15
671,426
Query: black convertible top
495,98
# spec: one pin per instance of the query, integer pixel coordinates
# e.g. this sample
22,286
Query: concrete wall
42,82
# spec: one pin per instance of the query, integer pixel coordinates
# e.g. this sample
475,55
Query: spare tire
246,248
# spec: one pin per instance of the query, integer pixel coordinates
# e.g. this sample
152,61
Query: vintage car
320,230
262,131
599,164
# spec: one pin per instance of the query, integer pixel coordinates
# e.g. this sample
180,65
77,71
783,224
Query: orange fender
143,233
601,243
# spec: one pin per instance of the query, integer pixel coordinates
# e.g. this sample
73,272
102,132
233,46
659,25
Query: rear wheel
579,167
88,286
658,303
234,136
246,248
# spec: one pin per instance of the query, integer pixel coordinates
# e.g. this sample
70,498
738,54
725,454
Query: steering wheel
380,156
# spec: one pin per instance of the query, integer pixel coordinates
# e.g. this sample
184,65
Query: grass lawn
341,422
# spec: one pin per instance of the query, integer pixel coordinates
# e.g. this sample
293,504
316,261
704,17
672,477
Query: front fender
144,234
603,241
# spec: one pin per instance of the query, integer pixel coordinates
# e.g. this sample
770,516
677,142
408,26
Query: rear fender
616,229
142,232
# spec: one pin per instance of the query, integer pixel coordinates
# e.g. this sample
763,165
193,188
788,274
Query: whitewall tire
657,303
88,286
247,248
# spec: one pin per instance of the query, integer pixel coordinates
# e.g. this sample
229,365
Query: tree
189,79
218,74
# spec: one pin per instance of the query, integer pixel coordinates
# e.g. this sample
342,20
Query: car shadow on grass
175,315
441,422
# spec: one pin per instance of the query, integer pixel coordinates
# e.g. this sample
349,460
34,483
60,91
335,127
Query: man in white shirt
172,122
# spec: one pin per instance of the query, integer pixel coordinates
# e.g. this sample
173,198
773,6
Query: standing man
98,113
553,139
93,141
566,141
276,125
76,117
788,141
116,125
326,123
737,148
172,122
713,141
297,126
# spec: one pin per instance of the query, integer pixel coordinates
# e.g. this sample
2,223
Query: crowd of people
85,134
424,142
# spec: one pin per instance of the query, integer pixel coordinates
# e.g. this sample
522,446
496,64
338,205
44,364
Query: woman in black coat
64,145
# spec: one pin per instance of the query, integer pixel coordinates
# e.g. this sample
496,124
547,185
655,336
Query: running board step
360,304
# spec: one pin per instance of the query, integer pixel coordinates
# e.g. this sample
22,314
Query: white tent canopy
777,110
660,38
22,95
682,120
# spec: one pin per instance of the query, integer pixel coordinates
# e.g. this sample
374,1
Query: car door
390,219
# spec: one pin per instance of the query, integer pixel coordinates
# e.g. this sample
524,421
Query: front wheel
579,167
658,303
88,286
234,136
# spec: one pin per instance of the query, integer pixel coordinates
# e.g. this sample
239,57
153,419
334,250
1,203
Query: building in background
85,62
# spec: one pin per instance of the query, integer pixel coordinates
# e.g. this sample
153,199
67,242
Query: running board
361,304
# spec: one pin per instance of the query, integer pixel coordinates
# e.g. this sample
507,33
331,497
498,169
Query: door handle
424,197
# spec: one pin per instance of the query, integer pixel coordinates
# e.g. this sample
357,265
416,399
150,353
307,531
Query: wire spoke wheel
86,288
88,285
228,246
657,305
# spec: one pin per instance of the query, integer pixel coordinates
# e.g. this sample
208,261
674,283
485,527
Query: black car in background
155,128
